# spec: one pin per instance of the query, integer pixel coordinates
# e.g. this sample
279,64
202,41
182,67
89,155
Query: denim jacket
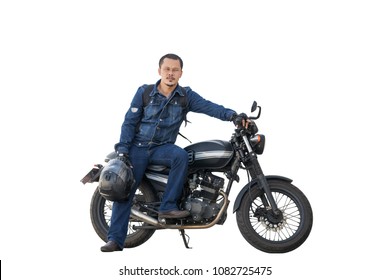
159,122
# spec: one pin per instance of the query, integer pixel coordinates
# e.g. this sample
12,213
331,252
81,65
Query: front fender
237,202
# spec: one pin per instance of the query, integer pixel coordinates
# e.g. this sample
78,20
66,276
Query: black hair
171,56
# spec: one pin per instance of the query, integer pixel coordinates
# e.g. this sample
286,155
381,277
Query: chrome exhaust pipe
217,218
145,218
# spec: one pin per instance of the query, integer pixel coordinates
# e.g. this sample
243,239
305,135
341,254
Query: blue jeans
169,155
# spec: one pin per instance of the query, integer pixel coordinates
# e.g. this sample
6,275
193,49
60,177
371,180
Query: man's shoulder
186,88
141,89
146,87
146,91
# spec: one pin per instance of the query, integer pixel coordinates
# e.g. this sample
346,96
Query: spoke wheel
278,232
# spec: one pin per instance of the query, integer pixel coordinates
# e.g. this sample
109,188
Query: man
148,135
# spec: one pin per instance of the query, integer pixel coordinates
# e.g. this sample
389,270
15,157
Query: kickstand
184,235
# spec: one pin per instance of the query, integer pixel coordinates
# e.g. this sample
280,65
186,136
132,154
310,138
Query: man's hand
125,158
241,120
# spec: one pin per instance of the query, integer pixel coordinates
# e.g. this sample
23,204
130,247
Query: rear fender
252,183
93,175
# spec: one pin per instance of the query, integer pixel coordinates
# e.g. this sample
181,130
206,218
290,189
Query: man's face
170,72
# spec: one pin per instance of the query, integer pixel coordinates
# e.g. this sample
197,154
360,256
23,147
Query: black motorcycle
272,214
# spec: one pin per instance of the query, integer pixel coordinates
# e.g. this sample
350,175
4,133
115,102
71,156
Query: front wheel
275,233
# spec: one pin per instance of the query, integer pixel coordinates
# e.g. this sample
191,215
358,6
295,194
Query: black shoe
173,214
110,246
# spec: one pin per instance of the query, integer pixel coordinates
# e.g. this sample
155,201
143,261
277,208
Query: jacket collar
176,90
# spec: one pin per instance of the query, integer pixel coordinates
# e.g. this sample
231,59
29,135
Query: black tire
282,237
101,210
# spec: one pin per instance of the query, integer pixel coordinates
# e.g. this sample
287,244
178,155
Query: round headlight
258,143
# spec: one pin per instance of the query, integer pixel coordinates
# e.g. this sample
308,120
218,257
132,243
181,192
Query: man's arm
198,104
130,123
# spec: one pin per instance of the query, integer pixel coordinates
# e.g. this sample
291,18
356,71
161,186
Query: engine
204,191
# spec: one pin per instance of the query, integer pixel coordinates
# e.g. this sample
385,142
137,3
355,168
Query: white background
319,69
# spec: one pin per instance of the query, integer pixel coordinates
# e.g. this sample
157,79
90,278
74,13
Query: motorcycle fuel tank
209,154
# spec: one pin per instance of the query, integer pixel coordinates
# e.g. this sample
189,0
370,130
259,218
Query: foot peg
162,221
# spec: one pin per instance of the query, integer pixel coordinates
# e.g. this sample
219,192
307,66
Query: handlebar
248,127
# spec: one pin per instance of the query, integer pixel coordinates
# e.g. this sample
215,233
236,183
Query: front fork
253,165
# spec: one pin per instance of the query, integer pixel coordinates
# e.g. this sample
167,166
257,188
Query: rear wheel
275,233
101,210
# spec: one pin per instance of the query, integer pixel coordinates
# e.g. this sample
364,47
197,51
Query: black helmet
116,181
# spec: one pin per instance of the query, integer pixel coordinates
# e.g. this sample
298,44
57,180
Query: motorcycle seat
158,168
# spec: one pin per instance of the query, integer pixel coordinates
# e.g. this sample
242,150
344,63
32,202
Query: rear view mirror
254,106
253,109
